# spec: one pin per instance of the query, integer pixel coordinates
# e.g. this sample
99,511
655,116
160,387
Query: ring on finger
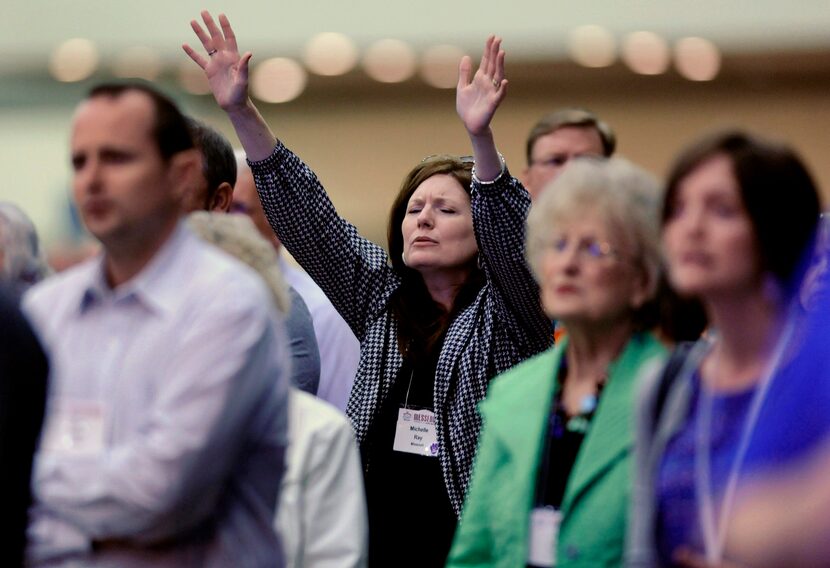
496,83
212,51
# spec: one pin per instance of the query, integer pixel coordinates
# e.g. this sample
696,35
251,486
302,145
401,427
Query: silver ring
496,83
212,51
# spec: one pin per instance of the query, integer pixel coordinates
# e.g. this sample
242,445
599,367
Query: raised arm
353,272
476,101
499,202
227,74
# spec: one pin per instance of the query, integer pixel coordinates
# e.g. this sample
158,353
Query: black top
23,375
411,520
565,434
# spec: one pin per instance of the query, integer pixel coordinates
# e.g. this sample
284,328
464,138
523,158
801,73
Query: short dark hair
776,189
578,117
170,130
218,158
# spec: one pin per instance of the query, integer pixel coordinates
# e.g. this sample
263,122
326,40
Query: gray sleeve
305,357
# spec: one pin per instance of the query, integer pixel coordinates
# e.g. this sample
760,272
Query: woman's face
708,238
438,228
589,276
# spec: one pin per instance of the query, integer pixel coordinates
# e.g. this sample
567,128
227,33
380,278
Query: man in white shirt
165,433
339,348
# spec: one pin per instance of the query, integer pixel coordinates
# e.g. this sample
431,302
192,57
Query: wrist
240,109
485,134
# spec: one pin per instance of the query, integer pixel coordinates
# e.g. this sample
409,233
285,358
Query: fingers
227,31
200,61
242,70
498,70
215,34
485,64
464,68
200,33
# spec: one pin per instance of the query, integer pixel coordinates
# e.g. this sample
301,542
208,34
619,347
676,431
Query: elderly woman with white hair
22,262
551,480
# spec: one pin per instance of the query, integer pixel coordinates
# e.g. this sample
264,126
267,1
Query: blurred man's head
132,160
246,200
557,138
213,189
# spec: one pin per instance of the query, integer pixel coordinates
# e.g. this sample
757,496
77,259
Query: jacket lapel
522,414
611,431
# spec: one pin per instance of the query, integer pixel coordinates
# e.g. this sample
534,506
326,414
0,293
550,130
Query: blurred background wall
368,85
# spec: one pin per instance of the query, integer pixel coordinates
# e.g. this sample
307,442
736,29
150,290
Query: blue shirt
188,368
677,512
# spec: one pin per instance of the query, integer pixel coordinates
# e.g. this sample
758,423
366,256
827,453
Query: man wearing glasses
557,138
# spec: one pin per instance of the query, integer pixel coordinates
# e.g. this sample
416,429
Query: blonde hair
237,236
23,261
625,195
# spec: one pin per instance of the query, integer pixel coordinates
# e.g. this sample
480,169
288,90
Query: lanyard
714,529
411,376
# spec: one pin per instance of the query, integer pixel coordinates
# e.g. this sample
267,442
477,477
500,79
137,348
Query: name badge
75,427
415,432
544,537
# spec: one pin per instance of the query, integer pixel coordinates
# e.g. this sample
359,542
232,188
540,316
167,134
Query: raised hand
476,101
226,70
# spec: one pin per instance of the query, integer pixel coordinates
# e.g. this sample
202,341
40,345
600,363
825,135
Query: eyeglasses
559,160
587,248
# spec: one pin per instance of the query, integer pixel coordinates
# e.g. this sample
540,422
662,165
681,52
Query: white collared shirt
338,346
189,368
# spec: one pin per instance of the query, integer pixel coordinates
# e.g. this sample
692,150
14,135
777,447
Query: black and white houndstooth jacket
501,327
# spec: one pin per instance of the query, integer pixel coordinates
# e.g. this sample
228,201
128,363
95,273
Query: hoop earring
479,261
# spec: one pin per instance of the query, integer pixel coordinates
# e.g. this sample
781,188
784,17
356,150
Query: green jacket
494,524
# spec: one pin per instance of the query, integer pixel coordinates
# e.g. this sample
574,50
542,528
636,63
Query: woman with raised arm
456,306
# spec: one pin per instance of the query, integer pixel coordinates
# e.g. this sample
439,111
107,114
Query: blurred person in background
23,373
738,217
781,513
559,137
213,190
165,430
457,305
338,347
22,262
321,517
555,449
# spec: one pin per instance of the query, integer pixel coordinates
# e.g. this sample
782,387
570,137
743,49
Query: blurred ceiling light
646,53
439,66
278,80
390,61
697,59
192,78
139,61
330,54
592,46
74,60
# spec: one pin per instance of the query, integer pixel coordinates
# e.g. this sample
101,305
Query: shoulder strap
670,373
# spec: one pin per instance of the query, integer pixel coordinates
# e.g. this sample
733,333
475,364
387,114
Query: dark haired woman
457,306
739,215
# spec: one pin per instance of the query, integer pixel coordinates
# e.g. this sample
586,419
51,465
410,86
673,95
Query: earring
479,261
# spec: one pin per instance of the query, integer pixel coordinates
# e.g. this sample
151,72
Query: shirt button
571,552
